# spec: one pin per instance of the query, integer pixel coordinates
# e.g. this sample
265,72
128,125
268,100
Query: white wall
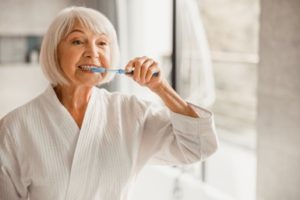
18,85
28,17
278,144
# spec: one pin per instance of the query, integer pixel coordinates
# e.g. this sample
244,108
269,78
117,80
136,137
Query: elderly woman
78,142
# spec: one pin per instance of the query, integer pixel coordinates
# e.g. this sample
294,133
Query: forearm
173,101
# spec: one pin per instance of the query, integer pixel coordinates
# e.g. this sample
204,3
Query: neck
74,97
75,100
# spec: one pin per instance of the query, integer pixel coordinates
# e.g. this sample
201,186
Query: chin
93,84
91,81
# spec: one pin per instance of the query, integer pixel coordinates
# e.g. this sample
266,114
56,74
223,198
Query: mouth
87,67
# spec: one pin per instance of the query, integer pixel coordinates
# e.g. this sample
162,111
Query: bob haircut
61,27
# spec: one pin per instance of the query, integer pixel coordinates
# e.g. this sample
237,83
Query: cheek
67,60
62,58
105,59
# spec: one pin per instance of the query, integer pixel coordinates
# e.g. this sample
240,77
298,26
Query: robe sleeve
169,138
11,185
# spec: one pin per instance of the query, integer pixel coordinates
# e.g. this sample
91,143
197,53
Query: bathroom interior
240,59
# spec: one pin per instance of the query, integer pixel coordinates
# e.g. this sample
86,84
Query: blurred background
239,59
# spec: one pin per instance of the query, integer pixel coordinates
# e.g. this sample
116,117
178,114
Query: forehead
83,29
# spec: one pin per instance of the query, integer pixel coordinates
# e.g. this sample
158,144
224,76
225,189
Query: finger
138,62
151,70
144,70
129,66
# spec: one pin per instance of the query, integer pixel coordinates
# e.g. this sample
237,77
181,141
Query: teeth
86,67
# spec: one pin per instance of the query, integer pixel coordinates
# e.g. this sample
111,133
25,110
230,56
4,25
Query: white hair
61,27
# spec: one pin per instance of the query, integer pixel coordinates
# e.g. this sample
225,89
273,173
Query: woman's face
83,47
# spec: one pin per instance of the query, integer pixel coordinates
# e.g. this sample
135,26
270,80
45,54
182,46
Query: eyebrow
76,30
81,31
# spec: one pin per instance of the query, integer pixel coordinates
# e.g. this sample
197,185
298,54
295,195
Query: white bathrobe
45,156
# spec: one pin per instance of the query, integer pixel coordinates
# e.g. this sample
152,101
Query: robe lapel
82,171
63,118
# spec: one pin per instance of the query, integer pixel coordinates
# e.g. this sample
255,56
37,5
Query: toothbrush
118,71
103,70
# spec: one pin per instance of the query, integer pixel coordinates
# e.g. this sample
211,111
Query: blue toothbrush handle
155,74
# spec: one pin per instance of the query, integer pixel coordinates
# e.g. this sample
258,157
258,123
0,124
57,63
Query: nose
92,51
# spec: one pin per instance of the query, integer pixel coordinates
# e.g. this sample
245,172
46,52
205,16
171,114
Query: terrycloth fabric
45,156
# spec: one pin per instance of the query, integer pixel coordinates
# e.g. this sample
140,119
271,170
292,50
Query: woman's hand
144,68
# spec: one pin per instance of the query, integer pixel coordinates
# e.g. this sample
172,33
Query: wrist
161,88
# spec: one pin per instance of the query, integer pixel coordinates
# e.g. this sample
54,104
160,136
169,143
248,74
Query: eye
102,43
77,42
